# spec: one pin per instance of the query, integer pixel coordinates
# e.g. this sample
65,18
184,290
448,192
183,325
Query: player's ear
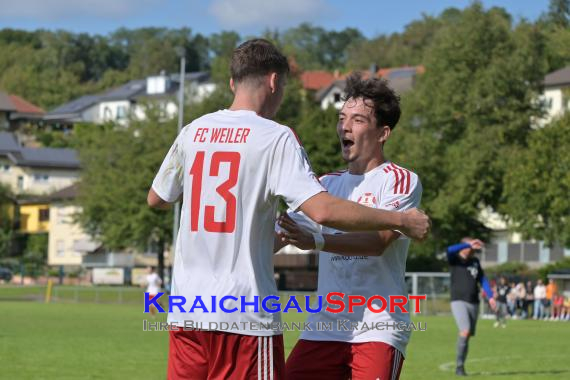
383,134
232,85
273,82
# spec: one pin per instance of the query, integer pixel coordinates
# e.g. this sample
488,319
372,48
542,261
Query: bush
510,269
561,265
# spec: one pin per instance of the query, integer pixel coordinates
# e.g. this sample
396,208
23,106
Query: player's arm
360,243
340,214
372,243
485,285
154,201
487,289
453,250
302,222
167,186
278,242
348,244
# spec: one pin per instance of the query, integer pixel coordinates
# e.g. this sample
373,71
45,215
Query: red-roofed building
15,111
316,80
25,107
387,72
400,79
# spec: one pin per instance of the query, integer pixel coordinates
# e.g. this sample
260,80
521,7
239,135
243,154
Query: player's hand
292,233
477,244
416,224
493,304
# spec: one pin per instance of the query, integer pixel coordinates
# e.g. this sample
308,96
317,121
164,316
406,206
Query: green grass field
106,341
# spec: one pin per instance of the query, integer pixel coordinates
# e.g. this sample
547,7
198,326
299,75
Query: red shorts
315,360
196,354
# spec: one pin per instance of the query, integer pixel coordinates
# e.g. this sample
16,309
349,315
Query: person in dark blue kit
466,277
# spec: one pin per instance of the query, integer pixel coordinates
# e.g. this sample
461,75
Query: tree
559,13
537,185
399,49
222,45
34,75
316,48
555,24
470,111
36,251
557,51
317,131
6,216
119,165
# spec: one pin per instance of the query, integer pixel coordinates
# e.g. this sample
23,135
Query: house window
336,97
60,248
41,177
121,112
20,183
5,168
44,215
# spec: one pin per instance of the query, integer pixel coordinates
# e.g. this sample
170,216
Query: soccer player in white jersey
153,283
230,168
359,263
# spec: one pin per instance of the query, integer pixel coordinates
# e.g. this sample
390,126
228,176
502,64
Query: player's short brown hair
386,102
256,58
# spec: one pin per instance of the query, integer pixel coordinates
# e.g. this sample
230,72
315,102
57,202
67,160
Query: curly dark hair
386,102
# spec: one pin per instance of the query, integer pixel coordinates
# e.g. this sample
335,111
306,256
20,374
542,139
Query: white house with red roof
15,111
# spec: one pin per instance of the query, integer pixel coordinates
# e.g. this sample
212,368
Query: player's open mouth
346,143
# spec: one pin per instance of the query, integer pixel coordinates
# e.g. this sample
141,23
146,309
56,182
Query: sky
248,17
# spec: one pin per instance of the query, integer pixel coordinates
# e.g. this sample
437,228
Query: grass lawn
106,341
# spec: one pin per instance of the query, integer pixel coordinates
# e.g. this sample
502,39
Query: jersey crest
367,199
474,270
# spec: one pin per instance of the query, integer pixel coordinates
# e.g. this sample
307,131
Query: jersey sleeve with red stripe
327,178
402,189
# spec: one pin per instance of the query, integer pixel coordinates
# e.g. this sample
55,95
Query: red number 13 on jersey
197,171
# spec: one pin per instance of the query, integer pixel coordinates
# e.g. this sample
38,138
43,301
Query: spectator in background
557,305
539,298
551,290
529,300
153,283
520,292
566,310
512,300
501,294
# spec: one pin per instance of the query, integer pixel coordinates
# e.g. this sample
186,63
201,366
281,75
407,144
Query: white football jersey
387,187
231,167
153,283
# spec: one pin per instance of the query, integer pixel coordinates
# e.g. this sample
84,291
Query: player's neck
254,101
361,167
